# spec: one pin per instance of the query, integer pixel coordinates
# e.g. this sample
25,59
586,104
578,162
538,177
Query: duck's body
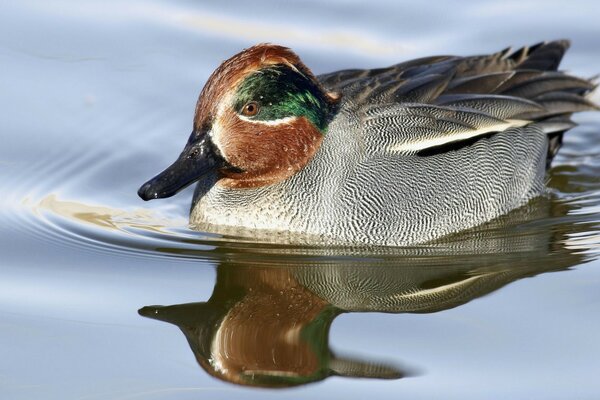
350,196
408,153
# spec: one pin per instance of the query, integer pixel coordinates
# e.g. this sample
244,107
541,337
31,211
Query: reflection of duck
388,156
269,325
262,328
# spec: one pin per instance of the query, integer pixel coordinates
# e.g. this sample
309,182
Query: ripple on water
113,107
544,226
51,199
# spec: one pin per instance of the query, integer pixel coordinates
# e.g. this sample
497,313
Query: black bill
198,158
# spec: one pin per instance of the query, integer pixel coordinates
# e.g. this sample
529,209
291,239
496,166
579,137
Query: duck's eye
250,109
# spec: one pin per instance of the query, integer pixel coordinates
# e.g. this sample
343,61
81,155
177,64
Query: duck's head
260,119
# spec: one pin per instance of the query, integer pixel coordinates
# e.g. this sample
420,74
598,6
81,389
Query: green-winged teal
388,156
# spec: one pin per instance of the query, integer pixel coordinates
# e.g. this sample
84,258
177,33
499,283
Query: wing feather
429,102
486,83
548,82
498,106
410,128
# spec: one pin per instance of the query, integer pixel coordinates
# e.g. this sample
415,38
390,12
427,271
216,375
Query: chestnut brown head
260,118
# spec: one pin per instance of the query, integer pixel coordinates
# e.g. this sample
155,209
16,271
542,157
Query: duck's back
419,150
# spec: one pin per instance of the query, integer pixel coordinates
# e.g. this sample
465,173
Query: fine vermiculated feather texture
415,151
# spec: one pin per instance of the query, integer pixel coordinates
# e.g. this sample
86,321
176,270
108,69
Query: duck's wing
433,102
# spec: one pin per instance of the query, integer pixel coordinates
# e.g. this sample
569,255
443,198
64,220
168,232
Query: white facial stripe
275,122
215,134
415,146
216,131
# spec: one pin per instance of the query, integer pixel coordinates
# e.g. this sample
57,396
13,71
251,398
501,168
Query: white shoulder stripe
434,141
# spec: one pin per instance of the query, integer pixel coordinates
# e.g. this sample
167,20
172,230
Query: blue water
99,95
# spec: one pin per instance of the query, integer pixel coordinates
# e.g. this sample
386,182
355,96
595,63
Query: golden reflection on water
258,31
249,27
106,217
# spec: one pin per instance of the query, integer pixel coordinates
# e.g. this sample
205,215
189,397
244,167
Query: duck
394,156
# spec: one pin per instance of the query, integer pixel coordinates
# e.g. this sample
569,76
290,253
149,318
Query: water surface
99,95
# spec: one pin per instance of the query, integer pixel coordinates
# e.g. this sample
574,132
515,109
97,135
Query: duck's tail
532,73
561,96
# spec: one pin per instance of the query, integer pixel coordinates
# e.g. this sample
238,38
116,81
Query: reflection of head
262,328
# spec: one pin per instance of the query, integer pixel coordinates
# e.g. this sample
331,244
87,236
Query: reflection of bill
269,325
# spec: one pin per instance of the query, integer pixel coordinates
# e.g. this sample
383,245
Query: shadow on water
267,322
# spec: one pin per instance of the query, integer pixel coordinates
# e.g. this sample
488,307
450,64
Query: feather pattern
416,151
433,101
413,127
498,106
